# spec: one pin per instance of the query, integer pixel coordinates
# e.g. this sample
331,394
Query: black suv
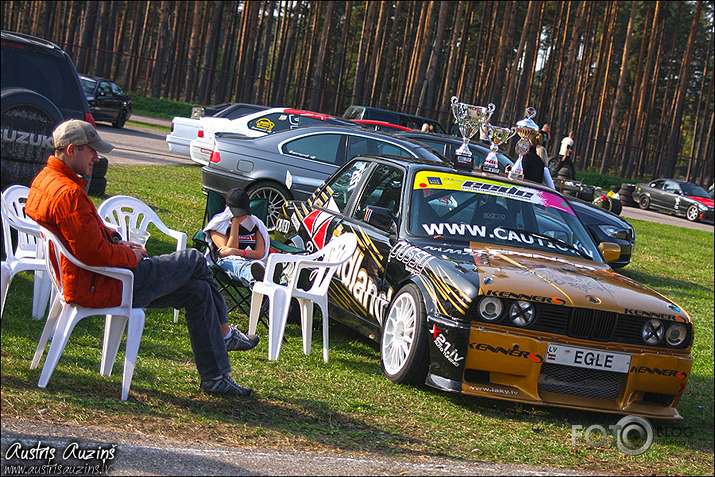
40,89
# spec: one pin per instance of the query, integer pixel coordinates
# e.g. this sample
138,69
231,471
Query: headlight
490,308
702,207
676,334
613,231
522,313
652,332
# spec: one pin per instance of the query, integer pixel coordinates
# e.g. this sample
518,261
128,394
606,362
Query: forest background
634,80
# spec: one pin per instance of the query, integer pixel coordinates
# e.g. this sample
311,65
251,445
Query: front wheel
121,119
692,213
403,348
644,202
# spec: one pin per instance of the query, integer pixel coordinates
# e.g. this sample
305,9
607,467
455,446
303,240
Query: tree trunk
619,91
367,27
668,169
425,105
316,87
90,19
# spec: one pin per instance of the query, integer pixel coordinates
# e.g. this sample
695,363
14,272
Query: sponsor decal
448,349
317,223
593,299
489,389
363,287
265,124
662,372
651,314
414,258
283,225
22,137
523,296
514,351
434,181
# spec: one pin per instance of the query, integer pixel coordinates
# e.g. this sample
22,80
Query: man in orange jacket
57,200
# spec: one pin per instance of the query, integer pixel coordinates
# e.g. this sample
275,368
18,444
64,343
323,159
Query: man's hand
139,251
226,251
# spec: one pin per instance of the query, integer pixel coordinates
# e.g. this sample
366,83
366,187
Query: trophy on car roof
470,120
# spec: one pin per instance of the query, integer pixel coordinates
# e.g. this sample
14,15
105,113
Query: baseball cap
238,201
79,133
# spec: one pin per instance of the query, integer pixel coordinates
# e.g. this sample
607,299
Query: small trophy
470,119
497,136
527,129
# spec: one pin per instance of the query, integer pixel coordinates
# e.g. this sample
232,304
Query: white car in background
255,125
184,130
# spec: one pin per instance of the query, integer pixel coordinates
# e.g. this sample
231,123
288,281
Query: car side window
270,123
318,147
383,189
345,184
104,89
116,90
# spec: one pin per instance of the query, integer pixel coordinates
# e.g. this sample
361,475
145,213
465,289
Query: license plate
588,358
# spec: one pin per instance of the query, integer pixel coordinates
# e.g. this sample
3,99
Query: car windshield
469,208
693,190
87,85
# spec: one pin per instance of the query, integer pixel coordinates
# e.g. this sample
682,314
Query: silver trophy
497,136
470,119
527,130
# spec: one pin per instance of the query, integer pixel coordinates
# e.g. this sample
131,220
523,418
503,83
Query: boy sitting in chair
239,242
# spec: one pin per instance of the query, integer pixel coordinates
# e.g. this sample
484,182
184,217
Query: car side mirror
382,218
610,251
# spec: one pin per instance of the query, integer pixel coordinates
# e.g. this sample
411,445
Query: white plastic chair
28,254
124,213
323,265
64,316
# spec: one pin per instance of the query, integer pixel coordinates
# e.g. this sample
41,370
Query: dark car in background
40,89
402,119
675,197
603,225
107,101
291,164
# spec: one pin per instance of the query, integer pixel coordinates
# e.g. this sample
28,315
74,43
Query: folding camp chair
237,295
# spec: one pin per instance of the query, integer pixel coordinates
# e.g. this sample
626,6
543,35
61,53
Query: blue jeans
237,269
183,280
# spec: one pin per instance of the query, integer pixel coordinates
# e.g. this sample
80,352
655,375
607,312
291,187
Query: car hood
703,200
550,278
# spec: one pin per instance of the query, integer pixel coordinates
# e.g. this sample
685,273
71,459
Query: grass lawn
300,402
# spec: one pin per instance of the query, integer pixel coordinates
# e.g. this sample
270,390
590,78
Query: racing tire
28,119
692,213
275,194
404,353
626,196
644,202
614,205
99,169
121,119
97,186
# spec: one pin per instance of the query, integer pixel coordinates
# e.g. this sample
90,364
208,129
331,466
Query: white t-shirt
566,143
222,222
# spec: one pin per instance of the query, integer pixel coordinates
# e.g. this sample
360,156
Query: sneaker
239,341
258,270
225,385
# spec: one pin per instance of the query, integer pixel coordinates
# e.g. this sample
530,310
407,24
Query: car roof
39,44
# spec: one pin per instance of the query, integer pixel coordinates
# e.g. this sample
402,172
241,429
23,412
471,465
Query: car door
655,191
106,101
670,196
368,277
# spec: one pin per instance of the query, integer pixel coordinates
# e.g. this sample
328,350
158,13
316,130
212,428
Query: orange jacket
57,201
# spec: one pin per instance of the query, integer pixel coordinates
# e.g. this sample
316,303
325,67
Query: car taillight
215,156
200,133
90,119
